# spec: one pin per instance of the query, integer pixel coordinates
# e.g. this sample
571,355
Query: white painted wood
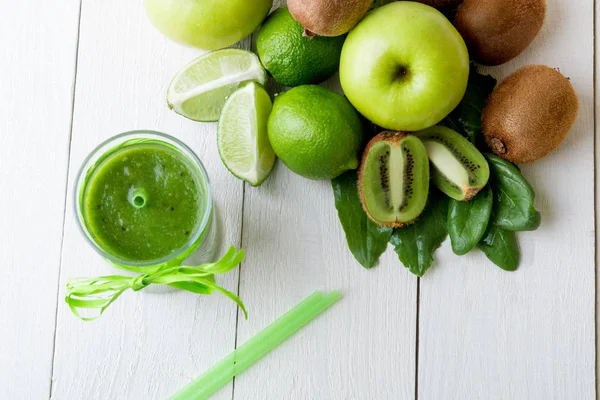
362,348
484,333
146,345
37,67
489,334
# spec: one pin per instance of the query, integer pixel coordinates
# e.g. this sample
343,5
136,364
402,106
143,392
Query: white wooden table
75,72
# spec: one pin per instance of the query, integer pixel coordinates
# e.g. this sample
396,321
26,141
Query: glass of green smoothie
143,200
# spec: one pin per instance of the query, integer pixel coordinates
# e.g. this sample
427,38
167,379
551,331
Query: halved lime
200,89
242,134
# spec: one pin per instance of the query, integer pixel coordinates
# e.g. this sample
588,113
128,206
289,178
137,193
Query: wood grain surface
37,69
485,333
147,344
76,72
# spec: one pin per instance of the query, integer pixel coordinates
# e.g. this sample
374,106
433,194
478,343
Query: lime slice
242,134
200,89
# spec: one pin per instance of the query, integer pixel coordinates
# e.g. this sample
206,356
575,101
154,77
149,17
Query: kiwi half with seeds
459,169
394,178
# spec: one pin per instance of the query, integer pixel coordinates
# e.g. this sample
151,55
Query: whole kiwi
441,4
328,17
496,31
529,114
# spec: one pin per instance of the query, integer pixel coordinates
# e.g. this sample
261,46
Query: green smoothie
143,201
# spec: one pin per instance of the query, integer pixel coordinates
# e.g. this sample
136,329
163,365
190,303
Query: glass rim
100,150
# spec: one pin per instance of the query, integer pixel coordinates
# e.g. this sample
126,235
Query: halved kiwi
394,178
459,169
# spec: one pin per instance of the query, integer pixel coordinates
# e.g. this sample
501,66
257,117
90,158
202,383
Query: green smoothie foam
143,201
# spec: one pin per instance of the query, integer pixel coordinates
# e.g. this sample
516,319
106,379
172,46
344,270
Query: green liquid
144,201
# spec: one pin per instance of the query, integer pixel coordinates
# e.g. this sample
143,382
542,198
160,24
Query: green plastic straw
255,348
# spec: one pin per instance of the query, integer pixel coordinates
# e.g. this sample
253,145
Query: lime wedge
242,134
200,89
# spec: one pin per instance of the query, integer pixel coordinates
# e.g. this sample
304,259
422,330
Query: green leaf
514,197
468,221
466,118
416,243
366,240
501,247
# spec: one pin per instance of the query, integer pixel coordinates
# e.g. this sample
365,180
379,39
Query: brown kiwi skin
529,114
496,31
471,192
328,17
441,4
394,138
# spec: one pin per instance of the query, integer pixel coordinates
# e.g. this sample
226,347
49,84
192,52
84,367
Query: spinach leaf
514,208
466,118
468,221
416,243
366,240
501,247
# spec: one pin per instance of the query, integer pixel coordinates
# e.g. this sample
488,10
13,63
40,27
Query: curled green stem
94,295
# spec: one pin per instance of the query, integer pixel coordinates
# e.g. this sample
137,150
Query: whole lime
292,58
315,132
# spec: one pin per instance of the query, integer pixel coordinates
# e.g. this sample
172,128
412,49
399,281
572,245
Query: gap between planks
237,313
62,239
595,98
417,318
252,47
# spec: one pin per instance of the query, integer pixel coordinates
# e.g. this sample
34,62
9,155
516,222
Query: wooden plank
38,67
489,334
146,345
364,347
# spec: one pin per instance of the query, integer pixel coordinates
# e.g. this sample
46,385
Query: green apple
404,66
207,24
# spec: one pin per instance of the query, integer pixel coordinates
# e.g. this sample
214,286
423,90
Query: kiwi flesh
394,179
529,114
459,169
328,17
496,31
